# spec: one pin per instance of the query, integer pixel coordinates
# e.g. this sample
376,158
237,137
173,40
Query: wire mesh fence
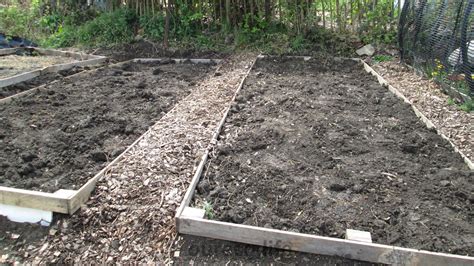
437,37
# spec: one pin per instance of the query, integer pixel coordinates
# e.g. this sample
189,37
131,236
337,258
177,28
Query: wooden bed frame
82,60
191,220
69,201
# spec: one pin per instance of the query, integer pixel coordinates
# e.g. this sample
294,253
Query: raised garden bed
40,80
18,65
314,147
60,136
14,64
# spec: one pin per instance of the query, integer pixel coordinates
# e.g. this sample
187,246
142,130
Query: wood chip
133,206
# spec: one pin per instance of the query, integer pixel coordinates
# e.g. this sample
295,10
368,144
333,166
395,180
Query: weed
382,58
451,101
466,106
209,210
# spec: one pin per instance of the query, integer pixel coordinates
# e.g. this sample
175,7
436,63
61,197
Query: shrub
64,37
108,29
153,26
16,21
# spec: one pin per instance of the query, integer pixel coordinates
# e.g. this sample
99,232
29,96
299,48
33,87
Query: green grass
382,58
466,106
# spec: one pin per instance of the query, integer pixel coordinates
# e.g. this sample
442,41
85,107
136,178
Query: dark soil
13,235
62,135
319,147
206,251
146,49
38,81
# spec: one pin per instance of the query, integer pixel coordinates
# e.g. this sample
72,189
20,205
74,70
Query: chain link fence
437,37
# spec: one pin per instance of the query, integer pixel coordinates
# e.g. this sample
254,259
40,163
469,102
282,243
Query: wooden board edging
197,175
23,93
75,55
20,78
372,252
178,60
53,201
84,60
49,69
317,244
8,51
34,199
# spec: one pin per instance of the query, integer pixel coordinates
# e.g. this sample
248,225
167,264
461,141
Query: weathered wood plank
67,66
84,60
19,78
75,55
317,244
8,51
34,199
224,117
32,90
192,186
178,60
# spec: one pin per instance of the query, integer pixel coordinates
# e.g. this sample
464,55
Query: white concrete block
193,212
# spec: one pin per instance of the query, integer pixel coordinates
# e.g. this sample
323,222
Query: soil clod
322,147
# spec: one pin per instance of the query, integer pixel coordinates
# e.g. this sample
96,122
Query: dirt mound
147,49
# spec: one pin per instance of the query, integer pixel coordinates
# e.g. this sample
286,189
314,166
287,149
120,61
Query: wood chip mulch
130,217
428,97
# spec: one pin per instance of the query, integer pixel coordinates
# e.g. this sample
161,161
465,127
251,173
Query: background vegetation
277,26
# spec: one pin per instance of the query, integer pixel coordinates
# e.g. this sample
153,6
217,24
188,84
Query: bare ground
41,80
318,147
130,217
63,134
428,97
118,209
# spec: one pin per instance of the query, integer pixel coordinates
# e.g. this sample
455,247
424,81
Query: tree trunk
167,25
268,11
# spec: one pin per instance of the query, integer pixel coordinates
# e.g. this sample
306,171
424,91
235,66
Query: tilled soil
130,216
62,135
318,147
40,80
